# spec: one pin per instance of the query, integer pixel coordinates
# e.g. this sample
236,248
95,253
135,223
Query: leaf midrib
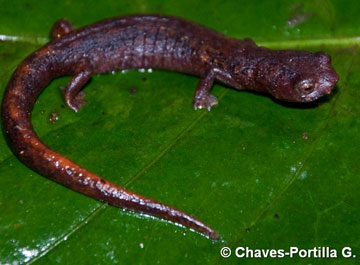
283,44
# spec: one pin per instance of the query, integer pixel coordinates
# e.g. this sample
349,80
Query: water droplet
29,253
225,184
303,175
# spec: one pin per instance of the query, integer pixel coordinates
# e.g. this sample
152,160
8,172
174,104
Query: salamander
148,41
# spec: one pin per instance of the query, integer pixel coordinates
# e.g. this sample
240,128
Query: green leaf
262,174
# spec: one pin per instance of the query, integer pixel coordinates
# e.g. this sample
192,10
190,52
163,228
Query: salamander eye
305,86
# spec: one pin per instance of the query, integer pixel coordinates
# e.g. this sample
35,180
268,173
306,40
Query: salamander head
296,76
308,76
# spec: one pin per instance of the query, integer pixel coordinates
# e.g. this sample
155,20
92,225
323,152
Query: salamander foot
205,102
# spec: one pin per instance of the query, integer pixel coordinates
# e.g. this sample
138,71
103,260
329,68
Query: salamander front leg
202,98
61,28
74,98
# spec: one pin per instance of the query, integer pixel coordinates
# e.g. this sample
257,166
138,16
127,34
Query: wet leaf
263,174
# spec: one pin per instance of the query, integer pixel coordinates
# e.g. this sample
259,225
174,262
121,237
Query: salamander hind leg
74,98
61,28
202,98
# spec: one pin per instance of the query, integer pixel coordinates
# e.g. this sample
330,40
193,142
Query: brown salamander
148,41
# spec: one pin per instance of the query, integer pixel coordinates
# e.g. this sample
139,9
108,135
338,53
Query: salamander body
148,41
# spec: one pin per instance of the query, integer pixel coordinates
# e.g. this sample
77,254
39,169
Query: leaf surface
262,174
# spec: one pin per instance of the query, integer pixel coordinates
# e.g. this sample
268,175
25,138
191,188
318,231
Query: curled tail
25,85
